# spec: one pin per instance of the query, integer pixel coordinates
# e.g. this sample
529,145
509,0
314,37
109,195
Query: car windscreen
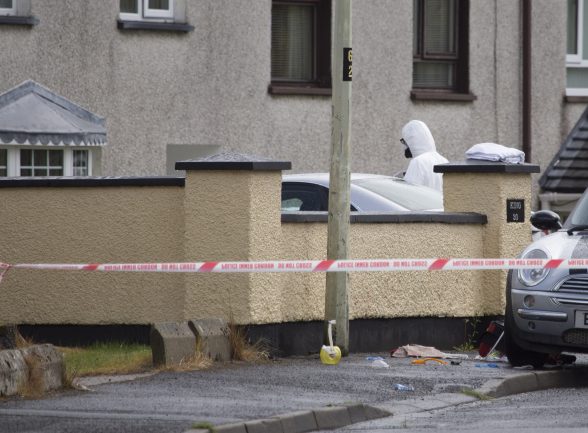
412,197
579,216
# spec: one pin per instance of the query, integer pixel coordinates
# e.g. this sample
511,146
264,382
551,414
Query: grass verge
106,358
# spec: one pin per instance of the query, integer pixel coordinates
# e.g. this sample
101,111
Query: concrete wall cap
479,166
233,161
391,217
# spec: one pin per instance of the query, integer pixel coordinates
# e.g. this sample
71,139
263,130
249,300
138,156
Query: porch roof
568,171
30,114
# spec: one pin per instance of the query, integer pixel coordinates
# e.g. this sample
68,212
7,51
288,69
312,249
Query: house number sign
515,210
347,57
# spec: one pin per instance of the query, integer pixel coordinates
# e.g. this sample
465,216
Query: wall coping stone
151,25
390,217
480,166
233,161
19,20
94,181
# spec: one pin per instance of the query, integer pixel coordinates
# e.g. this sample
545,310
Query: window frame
321,81
460,90
9,11
576,59
47,166
14,166
144,13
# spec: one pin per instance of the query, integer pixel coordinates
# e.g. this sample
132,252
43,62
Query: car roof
361,198
323,178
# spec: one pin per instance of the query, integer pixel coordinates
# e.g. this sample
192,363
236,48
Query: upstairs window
577,49
7,7
301,46
440,46
141,9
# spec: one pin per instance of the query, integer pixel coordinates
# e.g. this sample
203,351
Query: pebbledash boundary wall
227,208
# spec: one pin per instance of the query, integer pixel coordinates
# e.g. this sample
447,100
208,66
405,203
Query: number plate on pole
347,57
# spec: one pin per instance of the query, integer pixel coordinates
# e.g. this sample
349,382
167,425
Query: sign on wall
515,210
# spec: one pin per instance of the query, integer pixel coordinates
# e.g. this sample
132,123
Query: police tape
370,265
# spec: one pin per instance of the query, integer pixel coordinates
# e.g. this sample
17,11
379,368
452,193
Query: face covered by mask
407,152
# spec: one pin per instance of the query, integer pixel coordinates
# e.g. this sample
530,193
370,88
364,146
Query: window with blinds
572,34
440,45
301,43
293,37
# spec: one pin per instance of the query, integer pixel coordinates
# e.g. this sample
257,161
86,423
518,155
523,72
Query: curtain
439,27
292,42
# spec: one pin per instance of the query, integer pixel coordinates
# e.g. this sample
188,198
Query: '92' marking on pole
347,58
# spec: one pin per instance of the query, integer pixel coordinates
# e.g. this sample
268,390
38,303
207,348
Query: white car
369,192
547,309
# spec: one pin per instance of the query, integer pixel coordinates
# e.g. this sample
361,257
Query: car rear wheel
517,356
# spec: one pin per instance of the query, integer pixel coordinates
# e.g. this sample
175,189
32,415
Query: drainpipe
526,12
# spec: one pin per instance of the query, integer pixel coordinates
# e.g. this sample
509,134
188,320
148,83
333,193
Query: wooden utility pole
336,299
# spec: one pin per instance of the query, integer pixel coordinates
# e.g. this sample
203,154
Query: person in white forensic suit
419,146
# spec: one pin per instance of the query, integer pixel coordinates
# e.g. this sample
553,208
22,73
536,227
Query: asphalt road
171,402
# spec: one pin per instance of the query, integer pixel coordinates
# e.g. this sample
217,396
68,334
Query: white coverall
420,141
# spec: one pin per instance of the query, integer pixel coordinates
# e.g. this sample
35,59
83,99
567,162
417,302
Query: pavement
290,395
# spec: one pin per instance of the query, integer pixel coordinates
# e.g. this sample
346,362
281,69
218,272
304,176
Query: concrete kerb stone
324,418
534,381
50,363
213,337
237,427
15,368
298,422
328,418
13,371
171,343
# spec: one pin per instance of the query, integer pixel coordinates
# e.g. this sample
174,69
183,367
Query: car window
303,197
413,197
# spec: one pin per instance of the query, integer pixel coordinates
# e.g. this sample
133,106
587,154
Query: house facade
179,79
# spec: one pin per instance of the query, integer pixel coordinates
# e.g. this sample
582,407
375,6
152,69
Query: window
80,163
440,46
140,9
3,162
41,162
15,161
7,7
577,49
301,46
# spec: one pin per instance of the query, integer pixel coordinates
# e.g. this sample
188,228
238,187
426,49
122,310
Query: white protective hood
420,141
418,137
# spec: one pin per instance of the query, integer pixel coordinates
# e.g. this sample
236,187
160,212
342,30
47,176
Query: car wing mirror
546,220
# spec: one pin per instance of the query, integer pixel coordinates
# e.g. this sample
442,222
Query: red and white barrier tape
371,265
